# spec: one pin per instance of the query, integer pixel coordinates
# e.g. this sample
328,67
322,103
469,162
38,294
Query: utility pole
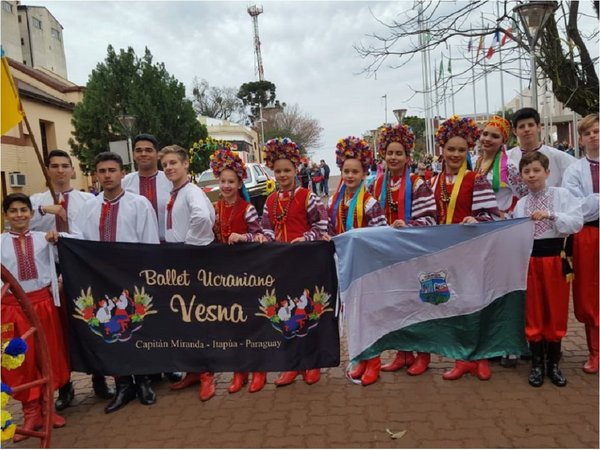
254,12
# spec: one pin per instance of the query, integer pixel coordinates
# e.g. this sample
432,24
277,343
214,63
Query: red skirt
12,313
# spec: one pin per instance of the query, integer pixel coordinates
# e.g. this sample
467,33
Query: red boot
238,381
591,333
358,369
311,376
420,365
483,371
286,378
459,369
371,372
207,386
190,379
258,381
398,363
32,419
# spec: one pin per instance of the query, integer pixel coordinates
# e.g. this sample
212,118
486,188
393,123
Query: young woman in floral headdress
407,201
352,206
291,214
494,165
462,197
236,220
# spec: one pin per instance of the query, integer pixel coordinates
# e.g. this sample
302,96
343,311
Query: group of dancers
557,191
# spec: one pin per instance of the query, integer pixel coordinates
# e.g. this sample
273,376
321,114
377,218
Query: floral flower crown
502,124
223,158
397,133
352,147
281,148
465,128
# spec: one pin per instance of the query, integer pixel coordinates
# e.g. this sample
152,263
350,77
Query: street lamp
128,122
534,15
400,114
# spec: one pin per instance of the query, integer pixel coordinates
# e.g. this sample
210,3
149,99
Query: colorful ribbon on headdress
356,204
499,171
405,193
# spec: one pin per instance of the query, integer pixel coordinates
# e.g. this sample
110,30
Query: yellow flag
11,105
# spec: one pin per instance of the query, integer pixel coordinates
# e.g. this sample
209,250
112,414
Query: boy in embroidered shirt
581,179
189,219
557,213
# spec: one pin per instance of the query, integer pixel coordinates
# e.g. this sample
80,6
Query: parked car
257,176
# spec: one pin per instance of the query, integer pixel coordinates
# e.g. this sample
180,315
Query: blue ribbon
336,205
244,192
352,207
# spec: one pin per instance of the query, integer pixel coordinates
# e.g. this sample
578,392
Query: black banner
142,308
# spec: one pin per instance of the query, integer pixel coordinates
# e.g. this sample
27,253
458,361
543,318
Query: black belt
593,223
547,247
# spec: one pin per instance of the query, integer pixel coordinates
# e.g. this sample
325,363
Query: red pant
547,302
12,313
585,266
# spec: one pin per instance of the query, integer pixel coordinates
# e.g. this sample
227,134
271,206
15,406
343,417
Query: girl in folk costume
352,206
493,164
236,220
581,179
557,213
30,259
407,201
462,197
291,214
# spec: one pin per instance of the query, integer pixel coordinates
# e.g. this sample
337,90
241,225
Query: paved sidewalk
503,412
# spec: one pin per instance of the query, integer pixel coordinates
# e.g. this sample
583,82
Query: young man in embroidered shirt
120,216
153,184
189,219
581,179
526,126
48,216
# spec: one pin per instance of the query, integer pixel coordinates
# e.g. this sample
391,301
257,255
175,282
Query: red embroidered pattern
25,257
61,225
148,190
108,219
540,201
594,169
171,203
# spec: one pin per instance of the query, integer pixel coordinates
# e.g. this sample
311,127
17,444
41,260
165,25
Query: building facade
243,139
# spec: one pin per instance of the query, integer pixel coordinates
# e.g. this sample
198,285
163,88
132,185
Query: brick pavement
501,413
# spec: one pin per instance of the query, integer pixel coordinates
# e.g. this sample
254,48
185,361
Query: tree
217,102
418,127
291,122
562,52
255,93
126,84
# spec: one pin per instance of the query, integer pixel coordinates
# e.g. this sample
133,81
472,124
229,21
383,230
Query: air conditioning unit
17,179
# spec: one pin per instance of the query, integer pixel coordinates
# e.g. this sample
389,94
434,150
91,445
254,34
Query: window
37,23
7,7
55,33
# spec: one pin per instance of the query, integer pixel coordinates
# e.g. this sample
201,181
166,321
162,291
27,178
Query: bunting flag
458,291
495,42
470,46
481,44
490,52
506,36
12,113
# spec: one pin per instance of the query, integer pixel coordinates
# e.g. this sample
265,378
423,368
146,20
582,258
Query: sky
307,51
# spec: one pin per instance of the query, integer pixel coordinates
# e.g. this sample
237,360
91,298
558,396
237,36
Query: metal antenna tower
254,12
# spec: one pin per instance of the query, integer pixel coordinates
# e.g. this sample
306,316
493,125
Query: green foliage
255,93
127,84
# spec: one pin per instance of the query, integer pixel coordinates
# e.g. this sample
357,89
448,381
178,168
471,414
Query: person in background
325,183
581,180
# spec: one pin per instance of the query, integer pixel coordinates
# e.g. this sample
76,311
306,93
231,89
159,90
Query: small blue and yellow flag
12,112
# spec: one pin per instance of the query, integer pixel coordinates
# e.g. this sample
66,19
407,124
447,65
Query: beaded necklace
280,218
225,229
